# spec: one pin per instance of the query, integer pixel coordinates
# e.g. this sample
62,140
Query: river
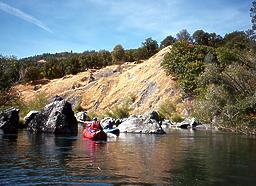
181,157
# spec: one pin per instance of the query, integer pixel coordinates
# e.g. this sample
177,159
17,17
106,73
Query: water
181,157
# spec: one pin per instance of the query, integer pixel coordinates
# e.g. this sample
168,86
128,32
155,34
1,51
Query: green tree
237,40
32,73
253,15
9,75
53,68
105,58
9,72
150,46
201,37
228,94
118,53
130,55
183,35
186,62
169,40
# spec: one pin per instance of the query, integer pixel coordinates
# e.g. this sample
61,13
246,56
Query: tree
32,73
9,75
105,57
253,15
118,53
183,35
251,33
186,62
200,37
9,72
169,40
130,55
237,40
150,46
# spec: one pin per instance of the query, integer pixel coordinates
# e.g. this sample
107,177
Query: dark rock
9,121
56,117
30,116
154,115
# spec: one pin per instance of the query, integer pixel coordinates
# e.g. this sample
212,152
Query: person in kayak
95,125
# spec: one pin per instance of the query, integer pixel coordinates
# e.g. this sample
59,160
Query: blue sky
30,27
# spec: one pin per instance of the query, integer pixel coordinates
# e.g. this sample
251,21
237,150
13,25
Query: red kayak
96,135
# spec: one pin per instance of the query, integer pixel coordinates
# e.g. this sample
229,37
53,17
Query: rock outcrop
9,121
141,124
56,117
81,117
30,116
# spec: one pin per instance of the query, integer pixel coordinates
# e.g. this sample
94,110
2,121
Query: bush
119,112
166,110
228,97
186,62
78,107
177,118
37,103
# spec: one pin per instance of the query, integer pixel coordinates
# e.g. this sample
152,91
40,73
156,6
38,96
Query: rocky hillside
145,85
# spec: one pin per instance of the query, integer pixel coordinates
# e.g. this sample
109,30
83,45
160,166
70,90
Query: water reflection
178,158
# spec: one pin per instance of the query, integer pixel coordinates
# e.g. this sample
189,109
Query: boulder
9,121
141,124
56,117
30,116
81,117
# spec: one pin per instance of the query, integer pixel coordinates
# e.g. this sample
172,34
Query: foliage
118,53
120,111
253,21
9,72
186,62
209,39
77,107
169,40
150,47
183,35
177,117
9,75
167,110
32,73
37,103
237,40
229,94
9,98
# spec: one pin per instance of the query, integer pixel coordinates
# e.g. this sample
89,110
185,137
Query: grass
120,111
36,104
167,110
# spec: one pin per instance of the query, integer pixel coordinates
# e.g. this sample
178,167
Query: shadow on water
9,137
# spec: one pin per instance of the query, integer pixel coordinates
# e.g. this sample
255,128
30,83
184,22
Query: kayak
115,131
98,135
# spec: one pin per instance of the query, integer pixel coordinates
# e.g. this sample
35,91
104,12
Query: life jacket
95,125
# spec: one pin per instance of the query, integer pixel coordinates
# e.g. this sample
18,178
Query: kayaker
95,125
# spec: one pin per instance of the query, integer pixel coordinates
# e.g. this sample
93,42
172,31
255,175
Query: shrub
166,110
78,107
176,117
186,62
119,112
36,104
